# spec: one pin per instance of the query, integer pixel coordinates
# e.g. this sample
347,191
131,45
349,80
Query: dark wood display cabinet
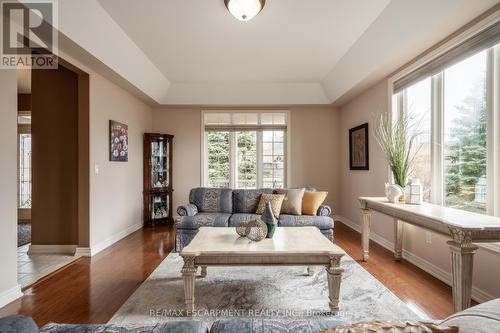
157,178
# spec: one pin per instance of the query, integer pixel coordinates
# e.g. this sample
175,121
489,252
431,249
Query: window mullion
437,140
233,159
260,159
493,131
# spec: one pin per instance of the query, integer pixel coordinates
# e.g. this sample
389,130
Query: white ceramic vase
393,192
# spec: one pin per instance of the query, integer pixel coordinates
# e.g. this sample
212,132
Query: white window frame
233,150
396,104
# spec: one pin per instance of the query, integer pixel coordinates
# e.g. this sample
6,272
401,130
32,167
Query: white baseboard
52,249
83,252
10,295
477,294
94,249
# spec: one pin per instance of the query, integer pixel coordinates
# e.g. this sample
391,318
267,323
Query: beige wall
116,192
435,256
9,289
313,139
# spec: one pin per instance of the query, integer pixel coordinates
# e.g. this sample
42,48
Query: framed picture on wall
358,148
118,135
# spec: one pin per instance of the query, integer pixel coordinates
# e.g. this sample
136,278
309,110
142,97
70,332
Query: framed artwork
118,135
358,148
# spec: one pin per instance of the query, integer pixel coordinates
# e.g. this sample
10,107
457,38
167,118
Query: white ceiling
294,52
193,41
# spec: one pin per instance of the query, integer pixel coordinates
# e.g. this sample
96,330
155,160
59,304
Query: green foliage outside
218,159
465,159
247,159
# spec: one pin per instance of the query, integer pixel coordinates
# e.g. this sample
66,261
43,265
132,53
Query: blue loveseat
216,207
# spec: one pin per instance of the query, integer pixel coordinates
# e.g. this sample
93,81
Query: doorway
53,169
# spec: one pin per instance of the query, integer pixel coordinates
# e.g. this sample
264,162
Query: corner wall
9,288
313,139
433,258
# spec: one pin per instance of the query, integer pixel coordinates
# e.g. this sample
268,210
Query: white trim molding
478,295
52,249
83,252
10,295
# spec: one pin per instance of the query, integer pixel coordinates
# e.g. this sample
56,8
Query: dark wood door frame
83,154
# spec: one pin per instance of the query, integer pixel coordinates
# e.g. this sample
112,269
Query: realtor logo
29,35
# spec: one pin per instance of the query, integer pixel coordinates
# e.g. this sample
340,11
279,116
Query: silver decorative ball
241,229
256,230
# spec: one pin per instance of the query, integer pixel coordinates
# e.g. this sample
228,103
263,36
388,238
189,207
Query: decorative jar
414,192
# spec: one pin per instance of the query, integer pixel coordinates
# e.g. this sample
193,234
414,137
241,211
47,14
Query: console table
464,229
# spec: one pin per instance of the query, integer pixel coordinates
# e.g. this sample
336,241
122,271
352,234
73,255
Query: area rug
23,234
260,292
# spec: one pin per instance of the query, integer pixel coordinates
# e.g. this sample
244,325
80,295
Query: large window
455,107
465,114
245,149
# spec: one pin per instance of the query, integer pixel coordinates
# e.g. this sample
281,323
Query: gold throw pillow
311,202
276,201
391,326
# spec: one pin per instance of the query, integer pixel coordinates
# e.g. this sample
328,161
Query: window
465,134
273,158
418,103
245,150
247,159
24,171
218,159
455,105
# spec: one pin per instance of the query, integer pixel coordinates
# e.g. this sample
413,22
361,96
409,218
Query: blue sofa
216,207
482,318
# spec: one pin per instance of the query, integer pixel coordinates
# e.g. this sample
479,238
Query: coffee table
293,246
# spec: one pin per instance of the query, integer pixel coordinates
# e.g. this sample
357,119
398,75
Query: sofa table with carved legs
305,246
464,228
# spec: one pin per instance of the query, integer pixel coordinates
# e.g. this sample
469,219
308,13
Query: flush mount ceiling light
244,10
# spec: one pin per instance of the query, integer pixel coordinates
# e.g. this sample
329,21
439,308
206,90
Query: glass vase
269,219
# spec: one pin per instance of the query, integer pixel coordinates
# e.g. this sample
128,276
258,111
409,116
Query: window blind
481,41
250,121
239,128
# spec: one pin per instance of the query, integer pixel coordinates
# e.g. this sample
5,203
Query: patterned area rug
23,234
260,292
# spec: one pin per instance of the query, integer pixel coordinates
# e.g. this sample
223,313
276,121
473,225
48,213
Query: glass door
160,152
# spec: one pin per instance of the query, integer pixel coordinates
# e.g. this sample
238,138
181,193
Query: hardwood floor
423,293
91,290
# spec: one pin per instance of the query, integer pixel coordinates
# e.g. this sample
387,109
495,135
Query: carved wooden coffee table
299,246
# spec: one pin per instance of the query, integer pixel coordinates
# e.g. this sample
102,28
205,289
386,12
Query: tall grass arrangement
398,140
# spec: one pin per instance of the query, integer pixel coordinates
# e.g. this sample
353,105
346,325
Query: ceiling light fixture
244,10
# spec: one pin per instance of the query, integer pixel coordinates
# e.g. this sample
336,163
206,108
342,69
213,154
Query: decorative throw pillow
391,326
276,201
293,200
311,202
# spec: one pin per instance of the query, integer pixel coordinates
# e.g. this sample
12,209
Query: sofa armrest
17,323
187,210
324,210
